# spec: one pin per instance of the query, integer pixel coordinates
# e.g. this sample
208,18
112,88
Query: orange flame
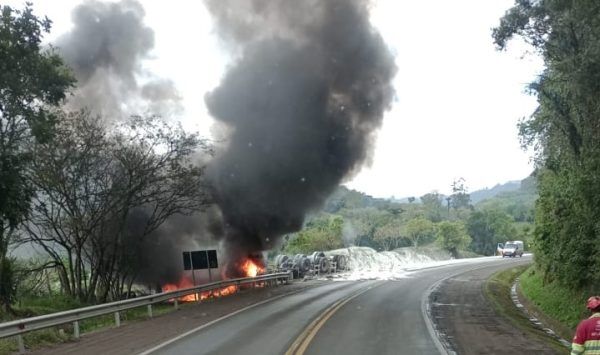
251,268
200,296
183,283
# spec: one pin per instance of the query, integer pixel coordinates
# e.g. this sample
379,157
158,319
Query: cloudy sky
458,99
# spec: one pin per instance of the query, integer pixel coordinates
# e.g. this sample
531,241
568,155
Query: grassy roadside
47,337
497,291
559,307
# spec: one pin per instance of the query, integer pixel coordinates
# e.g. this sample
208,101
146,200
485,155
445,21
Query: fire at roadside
249,267
299,266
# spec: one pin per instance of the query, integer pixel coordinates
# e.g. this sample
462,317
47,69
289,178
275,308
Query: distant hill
480,195
518,203
516,197
344,197
483,194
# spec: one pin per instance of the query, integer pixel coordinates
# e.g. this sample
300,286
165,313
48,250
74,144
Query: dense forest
450,222
564,134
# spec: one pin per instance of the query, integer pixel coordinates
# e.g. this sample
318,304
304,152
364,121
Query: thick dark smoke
158,257
303,100
105,49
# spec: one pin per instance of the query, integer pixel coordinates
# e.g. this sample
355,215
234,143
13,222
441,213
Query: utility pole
448,199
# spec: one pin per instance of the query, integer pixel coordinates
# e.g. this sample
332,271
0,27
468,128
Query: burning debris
200,296
252,267
302,102
249,267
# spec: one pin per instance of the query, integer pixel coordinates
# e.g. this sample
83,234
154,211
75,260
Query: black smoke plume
106,48
302,100
157,259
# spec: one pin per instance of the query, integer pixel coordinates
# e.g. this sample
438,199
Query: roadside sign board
200,260
212,259
187,261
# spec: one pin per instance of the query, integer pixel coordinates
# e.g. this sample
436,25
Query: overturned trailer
317,263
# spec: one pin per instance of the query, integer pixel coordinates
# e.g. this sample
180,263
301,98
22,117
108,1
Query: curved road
345,317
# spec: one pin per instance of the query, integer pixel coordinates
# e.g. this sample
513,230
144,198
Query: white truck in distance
511,248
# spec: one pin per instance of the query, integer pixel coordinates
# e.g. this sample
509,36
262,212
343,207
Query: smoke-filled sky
457,99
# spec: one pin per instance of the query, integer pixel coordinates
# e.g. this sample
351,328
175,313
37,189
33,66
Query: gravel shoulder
468,323
137,336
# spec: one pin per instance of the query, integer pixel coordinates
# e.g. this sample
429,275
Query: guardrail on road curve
21,326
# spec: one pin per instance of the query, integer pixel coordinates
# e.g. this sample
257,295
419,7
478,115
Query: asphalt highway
340,317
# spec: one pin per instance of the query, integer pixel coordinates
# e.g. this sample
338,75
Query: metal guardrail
21,326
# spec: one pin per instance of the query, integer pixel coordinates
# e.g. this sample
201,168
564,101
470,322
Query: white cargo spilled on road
362,263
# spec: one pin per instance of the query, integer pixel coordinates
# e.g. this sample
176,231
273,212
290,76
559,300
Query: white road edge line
425,311
181,336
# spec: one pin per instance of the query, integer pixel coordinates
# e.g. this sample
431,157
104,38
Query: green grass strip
565,305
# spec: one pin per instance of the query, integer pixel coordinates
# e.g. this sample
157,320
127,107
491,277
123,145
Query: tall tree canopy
32,81
100,191
488,227
564,132
452,236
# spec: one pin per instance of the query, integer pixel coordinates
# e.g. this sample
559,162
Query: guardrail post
149,311
176,304
117,319
20,344
76,329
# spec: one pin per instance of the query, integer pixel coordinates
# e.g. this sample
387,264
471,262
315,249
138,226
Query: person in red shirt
587,337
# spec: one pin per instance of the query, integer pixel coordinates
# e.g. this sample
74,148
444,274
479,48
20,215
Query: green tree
390,233
101,191
488,227
460,197
319,234
420,230
432,204
366,222
32,81
452,236
564,133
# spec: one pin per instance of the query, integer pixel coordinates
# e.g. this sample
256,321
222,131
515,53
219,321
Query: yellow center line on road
303,341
